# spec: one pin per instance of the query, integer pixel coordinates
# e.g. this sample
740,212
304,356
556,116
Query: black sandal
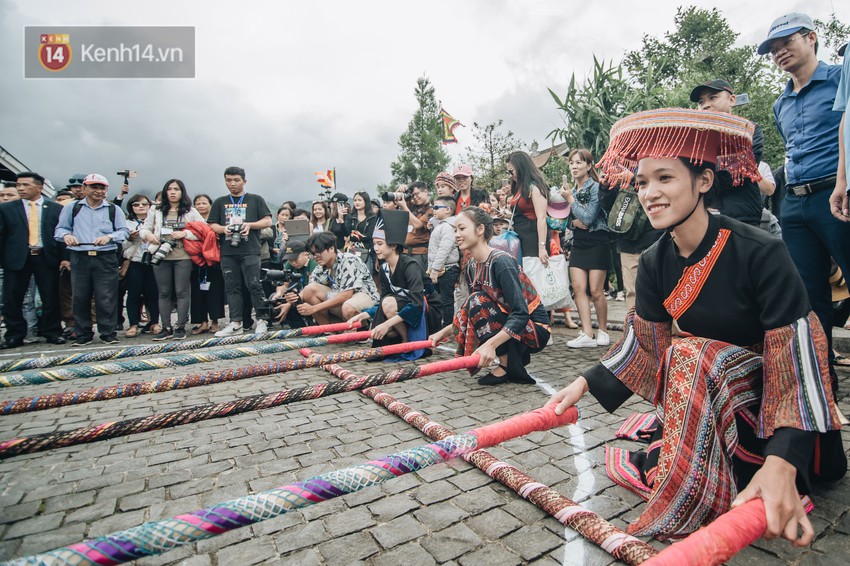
491,379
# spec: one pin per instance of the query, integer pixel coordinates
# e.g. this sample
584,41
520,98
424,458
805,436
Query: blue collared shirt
90,224
842,100
809,126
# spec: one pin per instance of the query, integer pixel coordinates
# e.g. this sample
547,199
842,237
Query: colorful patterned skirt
702,441
480,318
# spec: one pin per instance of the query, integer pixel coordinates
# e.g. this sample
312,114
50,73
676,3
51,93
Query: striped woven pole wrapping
590,525
159,536
177,346
41,402
172,360
104,431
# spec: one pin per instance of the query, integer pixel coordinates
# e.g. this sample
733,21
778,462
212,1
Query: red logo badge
54,51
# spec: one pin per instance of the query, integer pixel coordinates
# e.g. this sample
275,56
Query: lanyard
239,202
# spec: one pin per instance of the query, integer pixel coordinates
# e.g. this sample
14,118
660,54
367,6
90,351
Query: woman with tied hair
591,250
529,199
207,299
166,227
503,317
744,407
359,225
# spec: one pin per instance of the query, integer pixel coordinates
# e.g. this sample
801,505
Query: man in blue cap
809,127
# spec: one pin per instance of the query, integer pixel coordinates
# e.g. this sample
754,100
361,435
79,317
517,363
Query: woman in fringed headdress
502,317
746,403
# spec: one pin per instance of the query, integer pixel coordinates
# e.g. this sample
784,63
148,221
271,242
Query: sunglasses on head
74,181
439,206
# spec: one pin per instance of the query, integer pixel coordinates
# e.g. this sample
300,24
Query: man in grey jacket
443,255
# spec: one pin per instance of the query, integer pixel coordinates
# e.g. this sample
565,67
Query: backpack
627,218
79,205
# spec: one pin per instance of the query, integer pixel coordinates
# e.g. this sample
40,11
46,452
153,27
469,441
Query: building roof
10,166
542,157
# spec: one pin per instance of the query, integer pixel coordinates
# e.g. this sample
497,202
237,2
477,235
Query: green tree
589,110
701,48
487,155
422,155
832,34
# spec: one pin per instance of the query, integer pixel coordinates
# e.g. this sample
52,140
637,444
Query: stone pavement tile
479,500
43,542
365,496
843,526
140,500
35,525
398,531
307,557
69,502
350,521
451,543
389,508
817,559
491,555
431,493
434,473
345,550
470,480
313,512
438,517
524,511
211,545
401,484
494,524
303,536
90,513
411,554
581,552
532,541
277,524
9,548
248,552
177,555
606,506
116,522
19,512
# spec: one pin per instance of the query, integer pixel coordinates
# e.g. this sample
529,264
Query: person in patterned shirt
340,287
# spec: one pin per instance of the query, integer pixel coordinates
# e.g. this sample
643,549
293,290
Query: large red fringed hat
702,136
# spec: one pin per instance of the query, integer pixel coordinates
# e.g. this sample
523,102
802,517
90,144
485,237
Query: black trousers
141,289
15,286
234,268
95,277
207,305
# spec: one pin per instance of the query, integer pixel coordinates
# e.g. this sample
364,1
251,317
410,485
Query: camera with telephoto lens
165,247
403,192
234,235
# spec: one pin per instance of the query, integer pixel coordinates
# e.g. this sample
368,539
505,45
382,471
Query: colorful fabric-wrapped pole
104,431
159,536
173,360
591,526
136,351
41,402
719,541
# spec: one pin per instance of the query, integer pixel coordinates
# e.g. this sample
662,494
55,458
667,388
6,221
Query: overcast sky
284,88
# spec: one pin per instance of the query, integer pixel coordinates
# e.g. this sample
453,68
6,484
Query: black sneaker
163,334
111,339
83,341
180,333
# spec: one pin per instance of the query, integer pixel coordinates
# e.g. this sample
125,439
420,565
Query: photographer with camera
139,278
297,267
419,207
238,218
164,230
341,286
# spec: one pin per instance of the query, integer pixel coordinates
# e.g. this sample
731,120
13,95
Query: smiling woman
742,411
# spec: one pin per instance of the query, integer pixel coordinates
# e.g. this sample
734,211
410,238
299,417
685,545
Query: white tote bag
552,281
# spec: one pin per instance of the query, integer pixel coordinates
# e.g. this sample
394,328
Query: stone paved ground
448,514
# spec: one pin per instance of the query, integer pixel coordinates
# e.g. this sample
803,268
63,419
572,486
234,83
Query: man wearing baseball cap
92,230
296,259
809,127
466,195
743,203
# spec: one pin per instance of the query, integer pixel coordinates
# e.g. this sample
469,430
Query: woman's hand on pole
569,395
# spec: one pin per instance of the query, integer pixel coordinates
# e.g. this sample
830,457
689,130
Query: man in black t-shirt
238,218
